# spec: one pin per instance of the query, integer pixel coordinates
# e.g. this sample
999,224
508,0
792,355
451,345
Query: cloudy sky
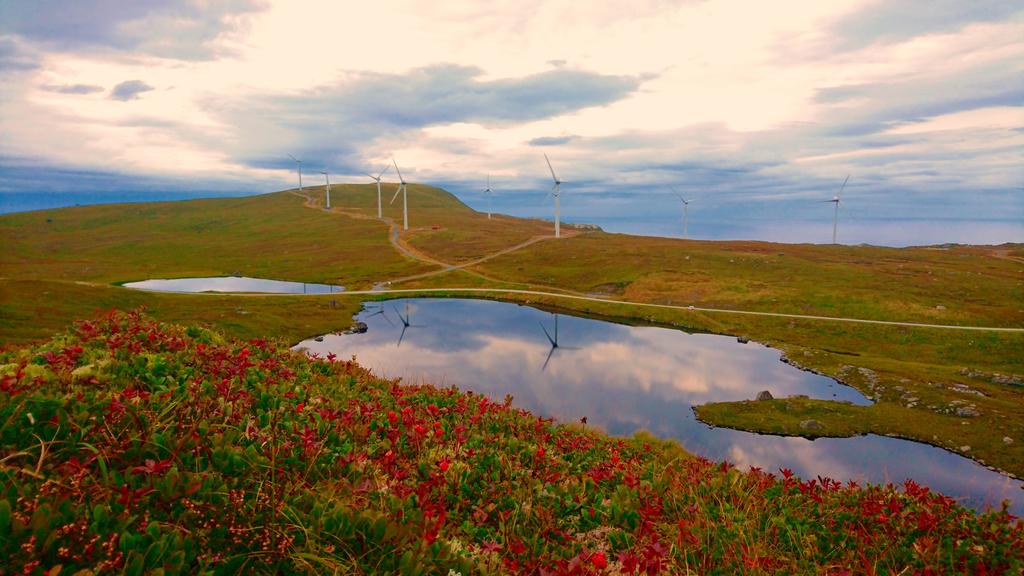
756,110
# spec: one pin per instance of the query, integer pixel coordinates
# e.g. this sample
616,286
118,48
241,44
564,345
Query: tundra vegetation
133,446
950,388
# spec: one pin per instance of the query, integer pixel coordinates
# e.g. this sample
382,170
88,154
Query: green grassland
61,265
942,286
270,236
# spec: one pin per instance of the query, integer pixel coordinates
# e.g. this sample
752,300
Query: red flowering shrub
130,446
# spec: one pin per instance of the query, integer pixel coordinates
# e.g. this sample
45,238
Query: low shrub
135,447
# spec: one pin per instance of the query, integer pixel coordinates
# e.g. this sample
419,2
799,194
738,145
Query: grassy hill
141,448
59,265
270,236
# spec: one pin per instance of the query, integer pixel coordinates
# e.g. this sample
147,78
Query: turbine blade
371,176
547,334
293,157
548,359
386,168
401,336
396,193
843,187
553,177
400,179
399,314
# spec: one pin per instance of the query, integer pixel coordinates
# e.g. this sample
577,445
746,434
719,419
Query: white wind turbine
488,192
380,214
328,179
405,197
686,211
835,199
299,163
555,190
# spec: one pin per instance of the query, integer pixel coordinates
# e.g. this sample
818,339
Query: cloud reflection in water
625,378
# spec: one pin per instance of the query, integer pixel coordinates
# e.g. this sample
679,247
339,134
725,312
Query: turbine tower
328,179
299,164
555,190
835,199
405,197
488,192
686,212
380,213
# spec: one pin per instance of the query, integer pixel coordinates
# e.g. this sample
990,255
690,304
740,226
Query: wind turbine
489,193
686,211
299,163
328,178
380,214
553,341
380,312
835,199
405,197
405,322
555,192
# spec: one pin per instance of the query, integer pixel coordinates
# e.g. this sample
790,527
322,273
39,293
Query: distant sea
897,232
852,230
27,201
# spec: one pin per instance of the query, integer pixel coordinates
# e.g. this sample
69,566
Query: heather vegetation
131,446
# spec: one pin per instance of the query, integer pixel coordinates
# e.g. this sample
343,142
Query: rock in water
356,328
764,395
811,425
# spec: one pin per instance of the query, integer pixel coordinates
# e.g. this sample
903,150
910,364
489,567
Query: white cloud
794,92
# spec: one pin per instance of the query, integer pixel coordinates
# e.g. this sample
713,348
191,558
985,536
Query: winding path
685,308
394,237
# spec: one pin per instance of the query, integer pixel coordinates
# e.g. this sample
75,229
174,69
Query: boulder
811,425
764,395
356,328
967,412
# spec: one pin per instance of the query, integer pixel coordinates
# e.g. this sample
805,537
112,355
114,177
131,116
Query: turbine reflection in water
625,378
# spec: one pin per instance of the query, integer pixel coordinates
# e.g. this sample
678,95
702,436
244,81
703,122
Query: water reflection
233,284
406,323
554,343
625,378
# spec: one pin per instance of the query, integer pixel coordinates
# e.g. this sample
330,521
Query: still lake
626,378
233,284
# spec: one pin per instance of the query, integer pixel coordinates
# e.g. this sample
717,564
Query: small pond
625,378
233,284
